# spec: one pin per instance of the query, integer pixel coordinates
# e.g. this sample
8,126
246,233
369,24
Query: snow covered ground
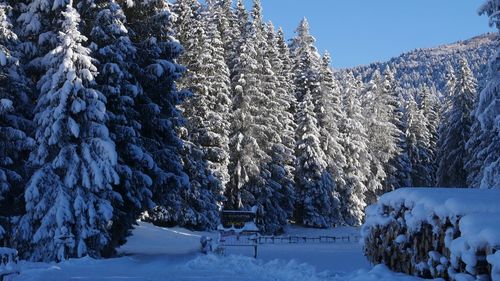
154,254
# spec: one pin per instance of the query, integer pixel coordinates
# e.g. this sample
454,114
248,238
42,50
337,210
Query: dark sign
236,218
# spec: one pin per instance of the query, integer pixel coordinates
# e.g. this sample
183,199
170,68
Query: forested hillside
429,66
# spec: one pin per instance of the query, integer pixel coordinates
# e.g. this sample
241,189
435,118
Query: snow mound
151,240
246,266
380,273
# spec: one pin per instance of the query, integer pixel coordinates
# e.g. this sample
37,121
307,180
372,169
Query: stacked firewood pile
424,244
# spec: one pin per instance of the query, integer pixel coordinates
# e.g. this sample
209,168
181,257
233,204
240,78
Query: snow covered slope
428,66
171,254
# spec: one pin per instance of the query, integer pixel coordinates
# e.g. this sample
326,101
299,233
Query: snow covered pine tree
455,129
69,197
111,45
487,112
317,200
355,144
15,126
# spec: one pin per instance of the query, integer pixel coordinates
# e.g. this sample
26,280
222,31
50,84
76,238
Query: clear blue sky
358,32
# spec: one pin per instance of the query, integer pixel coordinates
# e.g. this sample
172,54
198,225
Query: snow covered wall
441,233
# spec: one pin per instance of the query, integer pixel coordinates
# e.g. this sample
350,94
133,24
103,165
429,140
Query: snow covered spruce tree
367,95
286,70
398,170
317,199
430,106
302,45
484,149
474,164
180,201
330,114
231,23
355,146
186,24
111,44
318,202
419,145
282,93
259,155
246,154
69,197
281,144
455,129
228,26
379,103
208,110
15,126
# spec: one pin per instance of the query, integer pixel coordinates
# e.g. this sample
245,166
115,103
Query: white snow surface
155,253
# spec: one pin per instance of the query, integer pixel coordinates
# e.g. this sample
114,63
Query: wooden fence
305,239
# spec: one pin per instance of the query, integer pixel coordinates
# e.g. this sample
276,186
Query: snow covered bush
439,233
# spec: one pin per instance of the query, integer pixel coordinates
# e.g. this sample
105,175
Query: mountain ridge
427,66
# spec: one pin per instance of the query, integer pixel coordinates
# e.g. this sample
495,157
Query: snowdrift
435,232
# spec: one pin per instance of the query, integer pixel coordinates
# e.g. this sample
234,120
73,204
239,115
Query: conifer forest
114,111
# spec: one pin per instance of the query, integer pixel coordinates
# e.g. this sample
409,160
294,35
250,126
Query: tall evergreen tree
430,107
355,145
176,197
286,70
398,169
303,48
113,48
330,114
259,131
280,143
368,96
486,115
404,175
419,146
208,110
69,197
226,22
239,29
317,201
248,126
455,130
15,128
381,118
219,109
277,55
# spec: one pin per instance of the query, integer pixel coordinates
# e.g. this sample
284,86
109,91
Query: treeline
302,142
95,132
